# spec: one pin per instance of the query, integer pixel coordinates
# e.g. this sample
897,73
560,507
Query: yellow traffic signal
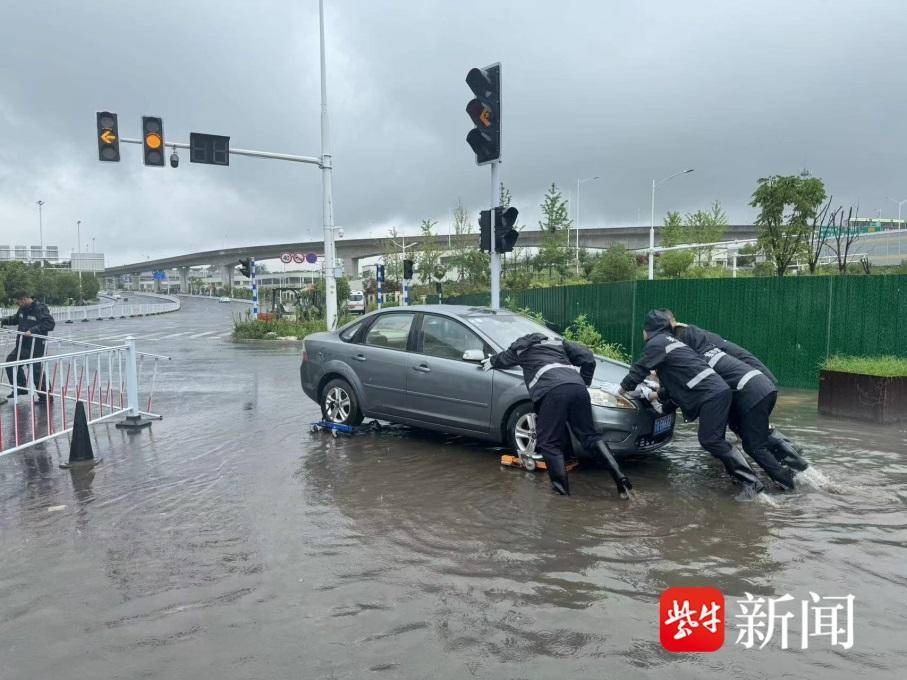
153,140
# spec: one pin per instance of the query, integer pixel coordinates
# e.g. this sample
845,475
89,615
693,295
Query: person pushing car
557,373
696,388
755,395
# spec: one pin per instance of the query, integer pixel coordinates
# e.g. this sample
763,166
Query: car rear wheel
339,403
520,429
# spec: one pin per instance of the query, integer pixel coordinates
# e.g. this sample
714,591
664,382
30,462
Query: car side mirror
473,355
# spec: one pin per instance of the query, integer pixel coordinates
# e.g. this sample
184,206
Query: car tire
339,403
519,432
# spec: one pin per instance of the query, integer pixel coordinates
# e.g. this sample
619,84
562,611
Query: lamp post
579,182
899,204
652,227
40,205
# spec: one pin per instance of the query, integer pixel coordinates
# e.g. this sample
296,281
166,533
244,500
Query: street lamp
40,204
899,204
652,227
576,226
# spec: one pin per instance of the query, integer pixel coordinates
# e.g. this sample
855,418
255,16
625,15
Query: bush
256,329
674,263
583,332
615,265
884,366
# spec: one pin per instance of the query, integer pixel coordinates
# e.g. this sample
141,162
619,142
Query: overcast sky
626,90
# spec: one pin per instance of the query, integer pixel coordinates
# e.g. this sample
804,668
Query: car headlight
601,397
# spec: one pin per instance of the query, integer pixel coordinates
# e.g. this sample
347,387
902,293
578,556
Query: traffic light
108,137
245,268
153,141
504,233
485,231
485,111
408,269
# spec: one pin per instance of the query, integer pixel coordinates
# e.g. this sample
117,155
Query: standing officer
32,318
733,363
558,373
696,388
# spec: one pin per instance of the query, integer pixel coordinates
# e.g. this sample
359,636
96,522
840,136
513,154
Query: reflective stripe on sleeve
746,378
715,359
547,367
674,345
699,377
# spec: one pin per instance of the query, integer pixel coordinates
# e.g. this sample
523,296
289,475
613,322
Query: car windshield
356,297
505,328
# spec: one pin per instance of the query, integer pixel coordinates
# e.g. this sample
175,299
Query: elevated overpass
351,251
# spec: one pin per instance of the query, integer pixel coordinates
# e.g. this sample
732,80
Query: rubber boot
785,451
740,471
767,461
620,479
557,473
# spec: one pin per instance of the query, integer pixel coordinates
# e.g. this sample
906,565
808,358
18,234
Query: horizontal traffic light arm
242,152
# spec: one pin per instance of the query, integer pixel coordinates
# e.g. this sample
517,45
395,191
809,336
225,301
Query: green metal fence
792,323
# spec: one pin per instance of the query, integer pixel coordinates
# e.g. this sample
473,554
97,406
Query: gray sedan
419,366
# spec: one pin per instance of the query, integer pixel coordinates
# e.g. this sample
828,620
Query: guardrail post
133,420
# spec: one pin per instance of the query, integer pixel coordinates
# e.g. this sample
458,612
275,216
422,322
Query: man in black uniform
558,373
696,388
749,415
32,318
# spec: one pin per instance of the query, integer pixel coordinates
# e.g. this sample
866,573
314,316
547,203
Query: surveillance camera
339,232
174,160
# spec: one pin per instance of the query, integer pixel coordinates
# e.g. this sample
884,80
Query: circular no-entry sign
298,258
286,258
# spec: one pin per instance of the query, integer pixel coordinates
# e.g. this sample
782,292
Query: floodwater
230,542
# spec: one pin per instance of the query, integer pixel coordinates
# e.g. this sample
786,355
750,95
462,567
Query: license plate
663,424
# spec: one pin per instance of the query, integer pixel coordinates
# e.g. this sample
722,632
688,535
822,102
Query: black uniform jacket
547,363
35,318
682,372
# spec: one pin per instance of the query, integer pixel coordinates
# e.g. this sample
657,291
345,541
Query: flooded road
229,542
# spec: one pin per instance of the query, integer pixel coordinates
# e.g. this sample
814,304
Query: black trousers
21,352
566,404
713,416
753,429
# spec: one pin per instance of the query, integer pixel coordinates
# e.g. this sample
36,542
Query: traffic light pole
495,256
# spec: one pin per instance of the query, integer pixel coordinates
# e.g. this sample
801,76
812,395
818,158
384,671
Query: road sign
210,149
108,137
286,258
159,276
311,258
298,258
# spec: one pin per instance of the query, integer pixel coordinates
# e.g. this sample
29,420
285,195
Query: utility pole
327,206
576,226
495,255
40,204
652,226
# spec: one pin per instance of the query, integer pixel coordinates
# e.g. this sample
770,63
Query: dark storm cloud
623,90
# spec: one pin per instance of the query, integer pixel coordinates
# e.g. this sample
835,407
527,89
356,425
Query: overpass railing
47,386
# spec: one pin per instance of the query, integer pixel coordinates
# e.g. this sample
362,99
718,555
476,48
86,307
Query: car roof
453,310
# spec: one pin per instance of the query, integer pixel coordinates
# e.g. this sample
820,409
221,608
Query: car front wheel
339,404
520,429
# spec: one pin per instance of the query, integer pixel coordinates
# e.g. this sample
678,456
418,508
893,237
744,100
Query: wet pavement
230,542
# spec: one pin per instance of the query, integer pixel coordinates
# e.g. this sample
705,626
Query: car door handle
359,357
422,368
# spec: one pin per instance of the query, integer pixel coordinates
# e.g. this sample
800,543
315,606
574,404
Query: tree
844,232
393,258
428,256
702,226
818,236
675,263
617,264
555,224
786,206
472,265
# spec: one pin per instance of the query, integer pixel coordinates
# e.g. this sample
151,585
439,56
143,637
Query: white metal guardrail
109,310
45,389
